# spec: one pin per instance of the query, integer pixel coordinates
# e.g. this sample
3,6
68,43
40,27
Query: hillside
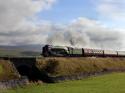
23,50
11,53
28,47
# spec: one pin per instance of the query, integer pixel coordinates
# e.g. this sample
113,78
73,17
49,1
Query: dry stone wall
14,83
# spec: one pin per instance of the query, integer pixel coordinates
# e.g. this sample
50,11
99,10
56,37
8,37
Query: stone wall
14,83
78,76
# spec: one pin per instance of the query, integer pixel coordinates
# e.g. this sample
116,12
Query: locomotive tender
64,51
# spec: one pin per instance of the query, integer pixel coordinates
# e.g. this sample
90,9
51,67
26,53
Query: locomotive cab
59,51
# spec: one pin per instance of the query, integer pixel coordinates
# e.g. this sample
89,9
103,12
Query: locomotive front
59,51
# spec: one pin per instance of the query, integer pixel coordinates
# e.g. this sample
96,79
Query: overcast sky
84,23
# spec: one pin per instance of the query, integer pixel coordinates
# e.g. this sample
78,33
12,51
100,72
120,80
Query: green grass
4,52
111,83
11,53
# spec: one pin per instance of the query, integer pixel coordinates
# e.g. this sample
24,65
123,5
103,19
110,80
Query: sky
64,11
81,23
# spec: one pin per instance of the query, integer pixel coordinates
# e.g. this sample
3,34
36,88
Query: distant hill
23,47
23,50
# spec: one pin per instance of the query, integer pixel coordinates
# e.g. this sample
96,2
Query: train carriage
97,52
110,53
121,53
88,52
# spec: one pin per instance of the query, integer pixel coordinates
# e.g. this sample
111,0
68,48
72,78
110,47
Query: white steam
87,33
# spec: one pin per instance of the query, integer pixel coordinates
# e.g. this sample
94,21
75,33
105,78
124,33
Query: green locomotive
64,51
61,51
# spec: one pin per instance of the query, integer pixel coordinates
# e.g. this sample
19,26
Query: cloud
14,13
17,27
113,9
16,19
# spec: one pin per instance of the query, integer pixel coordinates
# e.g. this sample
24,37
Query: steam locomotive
64,51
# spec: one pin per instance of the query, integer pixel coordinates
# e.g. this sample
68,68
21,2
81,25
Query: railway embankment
56,69
8,71
9,76
59,69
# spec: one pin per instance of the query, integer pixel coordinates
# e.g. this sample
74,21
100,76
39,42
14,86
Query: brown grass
70,66
7,70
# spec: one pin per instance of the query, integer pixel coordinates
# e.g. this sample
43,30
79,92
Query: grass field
111,83
11,53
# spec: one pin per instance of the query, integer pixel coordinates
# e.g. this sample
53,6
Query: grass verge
110,83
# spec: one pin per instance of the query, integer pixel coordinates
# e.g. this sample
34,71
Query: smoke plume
87,33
